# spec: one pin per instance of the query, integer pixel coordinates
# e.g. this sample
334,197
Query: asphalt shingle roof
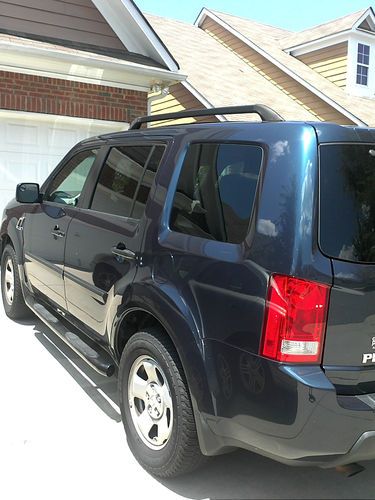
315,33
220,76
362,108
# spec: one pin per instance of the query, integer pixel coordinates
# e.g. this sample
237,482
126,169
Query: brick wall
40,94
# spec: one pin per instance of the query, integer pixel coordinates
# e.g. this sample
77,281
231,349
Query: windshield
347,201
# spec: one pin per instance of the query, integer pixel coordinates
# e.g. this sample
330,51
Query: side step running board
88,350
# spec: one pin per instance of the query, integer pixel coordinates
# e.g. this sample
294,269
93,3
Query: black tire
16,308
181,453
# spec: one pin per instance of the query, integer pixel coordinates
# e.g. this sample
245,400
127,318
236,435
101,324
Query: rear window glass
347,201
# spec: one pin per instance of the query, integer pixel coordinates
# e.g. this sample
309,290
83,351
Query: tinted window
347,201
68,184
147,181
216,190
119,178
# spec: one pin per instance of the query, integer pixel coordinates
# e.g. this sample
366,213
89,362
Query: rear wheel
11,291
156,407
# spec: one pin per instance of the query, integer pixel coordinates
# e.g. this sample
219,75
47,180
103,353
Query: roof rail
266,114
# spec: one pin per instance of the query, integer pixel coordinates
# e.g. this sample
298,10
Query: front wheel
11,291
156,407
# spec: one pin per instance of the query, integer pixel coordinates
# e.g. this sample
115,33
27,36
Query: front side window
347,201
216,190
125,180
68,184
363,63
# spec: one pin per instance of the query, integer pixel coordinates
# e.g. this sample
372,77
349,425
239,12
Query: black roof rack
266,114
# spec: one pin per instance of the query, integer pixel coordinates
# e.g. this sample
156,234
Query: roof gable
133,29
114,28
366,22
79,23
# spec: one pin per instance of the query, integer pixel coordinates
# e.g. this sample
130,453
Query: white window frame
362,64
352,87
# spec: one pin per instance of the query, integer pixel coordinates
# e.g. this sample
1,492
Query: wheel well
5,240
132,323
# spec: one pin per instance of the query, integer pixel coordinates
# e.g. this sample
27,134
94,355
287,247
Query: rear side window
125,180
347,201
215,192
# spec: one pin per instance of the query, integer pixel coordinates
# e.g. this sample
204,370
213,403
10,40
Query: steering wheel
63,195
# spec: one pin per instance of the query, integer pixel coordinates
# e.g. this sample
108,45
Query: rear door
347,235
104,239
45,228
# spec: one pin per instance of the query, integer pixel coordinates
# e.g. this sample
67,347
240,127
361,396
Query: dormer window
363,63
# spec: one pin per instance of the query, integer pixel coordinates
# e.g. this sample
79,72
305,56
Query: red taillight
295,320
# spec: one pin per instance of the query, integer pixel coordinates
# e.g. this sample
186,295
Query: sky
294,15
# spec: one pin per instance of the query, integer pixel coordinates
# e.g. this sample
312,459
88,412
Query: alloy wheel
150,402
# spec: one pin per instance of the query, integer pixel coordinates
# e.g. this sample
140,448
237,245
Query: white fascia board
327,41
82,67
201,99
134,31
321,43
285,69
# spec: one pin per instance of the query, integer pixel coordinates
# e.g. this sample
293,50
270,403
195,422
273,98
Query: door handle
120,250
57,233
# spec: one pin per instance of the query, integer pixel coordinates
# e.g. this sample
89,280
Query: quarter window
363,62
216,191
68,184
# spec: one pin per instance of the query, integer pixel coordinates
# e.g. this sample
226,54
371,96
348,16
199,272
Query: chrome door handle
121,251
57,233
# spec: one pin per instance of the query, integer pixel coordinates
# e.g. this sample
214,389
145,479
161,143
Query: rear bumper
290,414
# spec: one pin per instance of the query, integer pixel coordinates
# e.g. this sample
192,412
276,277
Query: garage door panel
23,168
32,144
22,135
58,138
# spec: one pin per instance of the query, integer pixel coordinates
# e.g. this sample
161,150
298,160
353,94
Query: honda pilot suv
224,272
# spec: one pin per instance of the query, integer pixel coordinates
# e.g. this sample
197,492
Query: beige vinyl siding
74,20
330,62
273,74
178,99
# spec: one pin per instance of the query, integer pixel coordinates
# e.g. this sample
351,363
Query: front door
46,226
104,240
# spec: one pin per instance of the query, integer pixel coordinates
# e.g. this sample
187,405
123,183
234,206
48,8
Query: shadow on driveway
239,475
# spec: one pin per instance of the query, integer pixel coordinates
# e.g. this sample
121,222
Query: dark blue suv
227,270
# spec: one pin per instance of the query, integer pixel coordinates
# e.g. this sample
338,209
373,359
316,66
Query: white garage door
32,144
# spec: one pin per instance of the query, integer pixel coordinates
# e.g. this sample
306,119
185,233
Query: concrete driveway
61,437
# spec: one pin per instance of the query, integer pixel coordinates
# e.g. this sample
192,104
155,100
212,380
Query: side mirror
28,192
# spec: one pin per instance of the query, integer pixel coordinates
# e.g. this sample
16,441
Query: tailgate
347,235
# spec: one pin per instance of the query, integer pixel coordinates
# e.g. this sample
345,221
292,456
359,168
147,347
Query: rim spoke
150,369
163,429
139,387
145,423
